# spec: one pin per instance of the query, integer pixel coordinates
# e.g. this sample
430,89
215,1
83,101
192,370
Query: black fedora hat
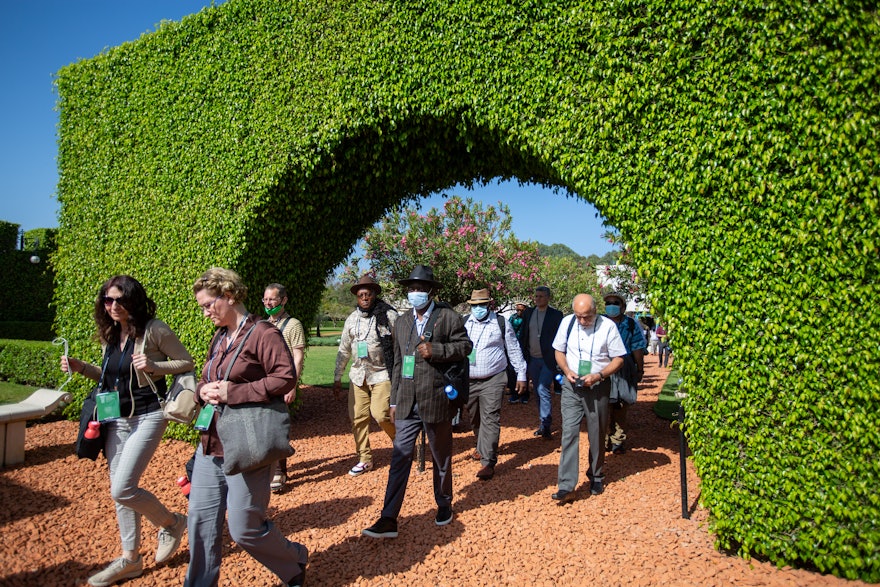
420,273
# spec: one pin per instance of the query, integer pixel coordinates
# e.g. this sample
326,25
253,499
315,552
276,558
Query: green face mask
273,311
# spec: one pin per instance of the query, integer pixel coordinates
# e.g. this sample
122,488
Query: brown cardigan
263,369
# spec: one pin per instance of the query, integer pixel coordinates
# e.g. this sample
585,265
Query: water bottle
93,431
451,392
184,484
559,378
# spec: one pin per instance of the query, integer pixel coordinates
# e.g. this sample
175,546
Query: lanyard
483,326
419,326
121,361
357,328
592,338
225,351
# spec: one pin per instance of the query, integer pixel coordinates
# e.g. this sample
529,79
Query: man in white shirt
588,351
494,341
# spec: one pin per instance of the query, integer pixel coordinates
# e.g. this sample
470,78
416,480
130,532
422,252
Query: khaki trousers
364,402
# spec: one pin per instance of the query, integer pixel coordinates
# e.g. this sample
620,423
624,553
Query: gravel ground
57,524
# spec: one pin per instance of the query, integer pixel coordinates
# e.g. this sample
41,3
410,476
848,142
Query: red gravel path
57,524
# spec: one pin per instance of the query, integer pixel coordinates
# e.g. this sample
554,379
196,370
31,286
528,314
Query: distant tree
468,246
623,273
609,258
558,250
567,277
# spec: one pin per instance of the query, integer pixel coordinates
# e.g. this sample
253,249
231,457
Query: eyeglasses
109,300
366,294
267,300
209,305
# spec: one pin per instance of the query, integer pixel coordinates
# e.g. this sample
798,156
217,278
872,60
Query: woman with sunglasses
136,348
248,361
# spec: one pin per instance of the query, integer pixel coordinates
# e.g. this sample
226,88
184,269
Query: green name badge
203,422
108,405
472,358
584,367
409,366
362,349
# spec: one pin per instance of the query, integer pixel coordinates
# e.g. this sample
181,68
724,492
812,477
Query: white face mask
418,299
479,312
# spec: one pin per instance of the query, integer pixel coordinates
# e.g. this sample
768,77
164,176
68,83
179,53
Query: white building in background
613,284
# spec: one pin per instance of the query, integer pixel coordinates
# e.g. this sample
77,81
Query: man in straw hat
427,340
366,339
494,343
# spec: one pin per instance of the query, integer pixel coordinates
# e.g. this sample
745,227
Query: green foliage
558,250
569,276
734,145
26,292
31,363
26,330
8,236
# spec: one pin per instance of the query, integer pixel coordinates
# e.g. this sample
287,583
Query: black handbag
90,448
253,434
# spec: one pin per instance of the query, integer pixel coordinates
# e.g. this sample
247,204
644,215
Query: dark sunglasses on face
108,300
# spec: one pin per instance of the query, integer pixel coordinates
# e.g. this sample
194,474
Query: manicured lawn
319,365
12,393
667,404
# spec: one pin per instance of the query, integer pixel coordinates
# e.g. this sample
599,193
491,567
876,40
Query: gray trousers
484,407
245,498
440,440
591,404
131,443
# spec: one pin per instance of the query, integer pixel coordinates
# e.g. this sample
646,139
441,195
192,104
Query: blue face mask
418,299
479,312
612,310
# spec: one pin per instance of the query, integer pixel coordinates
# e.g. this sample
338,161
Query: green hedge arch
733,144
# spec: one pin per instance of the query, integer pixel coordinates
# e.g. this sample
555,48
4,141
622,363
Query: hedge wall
26,289
734,144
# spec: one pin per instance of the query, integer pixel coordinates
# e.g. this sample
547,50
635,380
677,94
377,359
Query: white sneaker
360,469
120,569
169,538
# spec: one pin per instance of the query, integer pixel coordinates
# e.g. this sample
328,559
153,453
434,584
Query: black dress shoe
563,497
486,473
384,528
444,516
299,580
542,432
596,488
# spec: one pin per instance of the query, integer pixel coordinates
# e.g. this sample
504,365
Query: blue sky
37,38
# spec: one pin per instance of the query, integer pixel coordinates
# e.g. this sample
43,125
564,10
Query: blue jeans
130,445
245,497
542,377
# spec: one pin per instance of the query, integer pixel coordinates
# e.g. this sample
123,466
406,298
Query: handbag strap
237,351
150,379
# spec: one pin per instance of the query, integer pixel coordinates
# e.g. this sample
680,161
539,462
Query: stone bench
14,417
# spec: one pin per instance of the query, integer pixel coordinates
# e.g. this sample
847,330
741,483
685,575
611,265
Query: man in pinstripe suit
417,398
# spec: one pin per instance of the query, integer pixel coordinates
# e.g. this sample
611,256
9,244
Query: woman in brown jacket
263,369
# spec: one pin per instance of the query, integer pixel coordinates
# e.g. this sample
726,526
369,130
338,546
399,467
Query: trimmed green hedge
26,330
733,144
31,363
